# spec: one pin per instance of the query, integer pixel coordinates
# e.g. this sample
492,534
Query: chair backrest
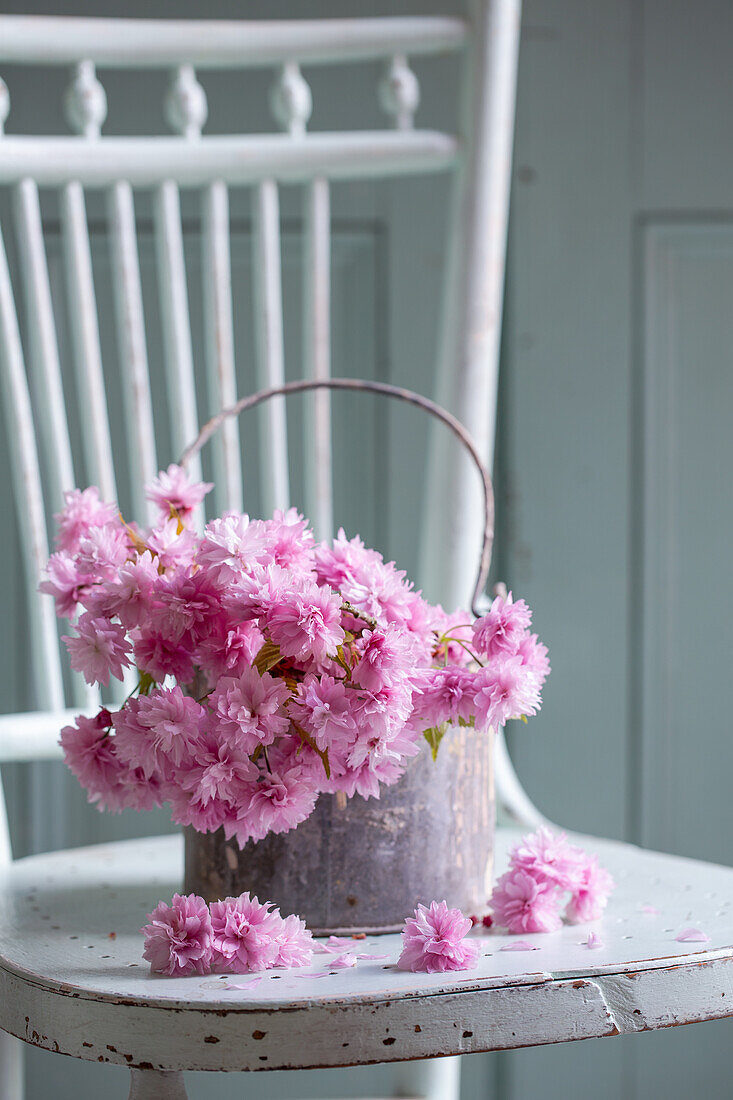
76,169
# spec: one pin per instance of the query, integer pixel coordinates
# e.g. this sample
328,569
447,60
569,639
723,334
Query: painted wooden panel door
616,459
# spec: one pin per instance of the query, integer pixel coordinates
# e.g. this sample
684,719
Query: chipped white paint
76,971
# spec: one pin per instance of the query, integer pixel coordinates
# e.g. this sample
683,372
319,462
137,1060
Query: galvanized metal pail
365,866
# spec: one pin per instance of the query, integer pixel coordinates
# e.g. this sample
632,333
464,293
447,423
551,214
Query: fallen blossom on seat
692,935
519,945
433,941
594,940
178,939
343,962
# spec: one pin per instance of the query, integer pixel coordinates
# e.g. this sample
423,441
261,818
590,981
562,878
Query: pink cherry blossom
219,770
173,490
522,904
248,708
445,695
434,940
282,798
327,709
158,732
294,943
549,858
66,583
502,692
306,622
245,935
499,632
98,650
178,939
231,546
384,654
590,892
82,510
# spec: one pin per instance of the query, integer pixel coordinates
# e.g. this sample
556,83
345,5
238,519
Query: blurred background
614,446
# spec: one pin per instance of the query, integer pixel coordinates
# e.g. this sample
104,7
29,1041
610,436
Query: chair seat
73,980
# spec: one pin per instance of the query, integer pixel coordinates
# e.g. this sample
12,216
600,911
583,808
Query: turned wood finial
186,108
291,100
4,105
399,92
85,102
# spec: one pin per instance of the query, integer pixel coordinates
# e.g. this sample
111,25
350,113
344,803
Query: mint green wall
614,445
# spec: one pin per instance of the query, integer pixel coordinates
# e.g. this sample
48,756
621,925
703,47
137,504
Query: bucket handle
386,390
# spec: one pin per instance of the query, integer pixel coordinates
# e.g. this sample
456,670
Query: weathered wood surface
72,977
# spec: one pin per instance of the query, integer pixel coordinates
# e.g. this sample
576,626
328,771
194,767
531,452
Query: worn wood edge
320,1035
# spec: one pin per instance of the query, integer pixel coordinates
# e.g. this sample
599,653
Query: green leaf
468,723
267,658
146,683
434,736
308,740
523,718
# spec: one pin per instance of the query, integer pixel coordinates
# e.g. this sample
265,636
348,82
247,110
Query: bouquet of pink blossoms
268,667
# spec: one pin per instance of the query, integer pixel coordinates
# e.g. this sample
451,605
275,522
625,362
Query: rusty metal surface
366,866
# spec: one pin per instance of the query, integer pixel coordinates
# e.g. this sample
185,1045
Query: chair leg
434,1079
152,1084
12,1067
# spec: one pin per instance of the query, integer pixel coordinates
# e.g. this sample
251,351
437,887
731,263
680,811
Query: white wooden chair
105,1014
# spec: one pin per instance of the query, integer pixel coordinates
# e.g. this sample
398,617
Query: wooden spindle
42,341
317,356
186,110
269,341
86,108
291,101
131,342
219,346
25,472
173,287
399,92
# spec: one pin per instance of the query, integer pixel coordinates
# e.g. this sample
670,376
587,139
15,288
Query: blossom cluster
434,940
267,667
233,936
543,870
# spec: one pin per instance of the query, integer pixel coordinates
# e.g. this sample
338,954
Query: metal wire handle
386,390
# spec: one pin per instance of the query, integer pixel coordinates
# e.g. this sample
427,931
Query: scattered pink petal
251,984
372,956
334,945
692,935
519,945
594,940
342,962
314,974
651,910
